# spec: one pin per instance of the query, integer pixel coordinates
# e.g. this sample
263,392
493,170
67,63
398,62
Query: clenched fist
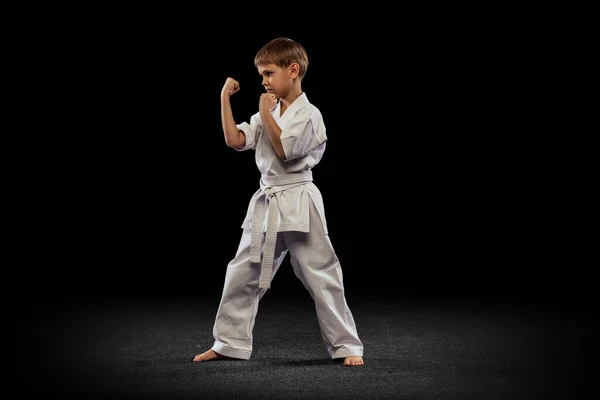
231,86
267,102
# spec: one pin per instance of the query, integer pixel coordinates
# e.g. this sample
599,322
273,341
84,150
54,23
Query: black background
432,187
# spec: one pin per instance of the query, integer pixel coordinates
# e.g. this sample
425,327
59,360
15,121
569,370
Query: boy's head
283,52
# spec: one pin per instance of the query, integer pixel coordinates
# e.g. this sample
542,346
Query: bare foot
211,355
354,360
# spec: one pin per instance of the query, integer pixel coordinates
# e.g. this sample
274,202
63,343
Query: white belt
269,186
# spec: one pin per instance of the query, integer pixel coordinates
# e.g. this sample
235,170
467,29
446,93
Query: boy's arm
273,130
233,136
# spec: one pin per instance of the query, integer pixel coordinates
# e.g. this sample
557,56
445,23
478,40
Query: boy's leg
317,266
237,310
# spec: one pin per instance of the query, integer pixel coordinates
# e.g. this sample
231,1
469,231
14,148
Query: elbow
236,143
235,146
279,150
280,153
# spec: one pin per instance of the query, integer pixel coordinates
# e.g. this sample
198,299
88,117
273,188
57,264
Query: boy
285,214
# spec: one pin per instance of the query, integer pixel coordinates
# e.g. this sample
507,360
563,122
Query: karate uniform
286,214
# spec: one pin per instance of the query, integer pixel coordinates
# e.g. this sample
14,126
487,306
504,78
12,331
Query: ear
294,69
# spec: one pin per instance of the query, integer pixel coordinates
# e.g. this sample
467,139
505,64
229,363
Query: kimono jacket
282,201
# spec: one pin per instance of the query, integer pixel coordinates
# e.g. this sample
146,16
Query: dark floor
142,347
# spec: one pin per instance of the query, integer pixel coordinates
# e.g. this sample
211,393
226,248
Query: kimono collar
296,104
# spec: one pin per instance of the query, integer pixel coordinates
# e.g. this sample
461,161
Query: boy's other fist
231,86
267,102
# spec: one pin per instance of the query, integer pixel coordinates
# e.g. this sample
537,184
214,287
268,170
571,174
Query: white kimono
303,138
285,214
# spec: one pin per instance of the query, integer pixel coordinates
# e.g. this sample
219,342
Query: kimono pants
315,263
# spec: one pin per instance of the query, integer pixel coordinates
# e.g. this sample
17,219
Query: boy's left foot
354,360
211,355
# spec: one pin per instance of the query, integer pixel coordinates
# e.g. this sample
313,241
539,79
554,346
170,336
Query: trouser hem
347,352
228,351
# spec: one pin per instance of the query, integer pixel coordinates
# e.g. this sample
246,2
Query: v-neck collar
299,102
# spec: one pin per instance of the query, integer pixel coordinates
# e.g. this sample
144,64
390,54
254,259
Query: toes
353,361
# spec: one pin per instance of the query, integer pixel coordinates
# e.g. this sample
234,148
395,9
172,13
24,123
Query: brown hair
283,52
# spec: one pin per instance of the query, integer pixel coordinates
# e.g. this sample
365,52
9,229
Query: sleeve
252,131
303,134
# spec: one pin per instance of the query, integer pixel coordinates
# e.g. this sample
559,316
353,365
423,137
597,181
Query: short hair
283,52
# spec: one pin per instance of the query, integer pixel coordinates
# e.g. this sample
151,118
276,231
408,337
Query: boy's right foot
211,355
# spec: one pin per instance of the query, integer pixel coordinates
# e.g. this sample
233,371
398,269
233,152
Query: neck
293,94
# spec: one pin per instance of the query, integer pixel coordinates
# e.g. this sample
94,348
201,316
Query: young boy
285,214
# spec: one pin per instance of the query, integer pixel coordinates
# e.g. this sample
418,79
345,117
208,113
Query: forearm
233,136
274,132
